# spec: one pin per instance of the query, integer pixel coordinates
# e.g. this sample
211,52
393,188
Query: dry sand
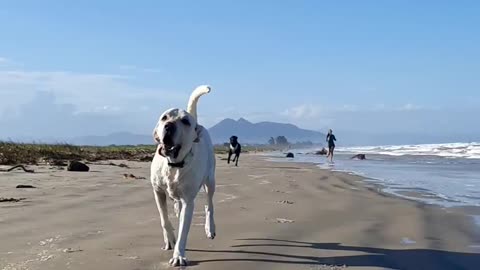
269,216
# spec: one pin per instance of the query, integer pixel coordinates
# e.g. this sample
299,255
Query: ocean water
443,174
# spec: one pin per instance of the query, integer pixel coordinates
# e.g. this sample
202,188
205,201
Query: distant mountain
249,132
246,131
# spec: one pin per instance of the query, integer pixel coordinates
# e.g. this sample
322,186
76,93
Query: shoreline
269,215
470,212
409,193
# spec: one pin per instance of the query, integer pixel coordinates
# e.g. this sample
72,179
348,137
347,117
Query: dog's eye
164,118
186,122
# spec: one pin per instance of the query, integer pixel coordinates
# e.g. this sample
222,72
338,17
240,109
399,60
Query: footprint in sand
285,202
151,220
70,250
132,258
280,220
328,267
407,241
254,176
228,185
280,191
284,220
228,197
292,185
476,247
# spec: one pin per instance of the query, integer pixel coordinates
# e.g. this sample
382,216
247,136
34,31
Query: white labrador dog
183,163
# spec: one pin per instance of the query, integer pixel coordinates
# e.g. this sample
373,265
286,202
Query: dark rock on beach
321,152
77,166
290,155
359,157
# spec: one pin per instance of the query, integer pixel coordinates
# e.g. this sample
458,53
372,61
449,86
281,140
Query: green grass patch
24,153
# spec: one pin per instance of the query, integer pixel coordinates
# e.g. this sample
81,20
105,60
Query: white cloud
127,67
5,62
8,63
87,91
348,108
308,111
304,111
152,70
140,69
322,117
107,108
84,103
410,107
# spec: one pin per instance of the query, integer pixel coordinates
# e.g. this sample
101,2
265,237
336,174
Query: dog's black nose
170,127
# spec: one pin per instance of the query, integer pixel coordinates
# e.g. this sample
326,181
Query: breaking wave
448,150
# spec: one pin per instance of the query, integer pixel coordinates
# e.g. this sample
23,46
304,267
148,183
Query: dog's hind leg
237,157
168,235
209,210
177,206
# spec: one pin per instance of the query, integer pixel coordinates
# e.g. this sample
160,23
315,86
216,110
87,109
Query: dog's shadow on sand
368,257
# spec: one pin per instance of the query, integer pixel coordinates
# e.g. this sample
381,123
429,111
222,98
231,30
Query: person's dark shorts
331,146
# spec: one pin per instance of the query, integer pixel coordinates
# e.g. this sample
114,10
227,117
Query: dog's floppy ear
156,138
198,131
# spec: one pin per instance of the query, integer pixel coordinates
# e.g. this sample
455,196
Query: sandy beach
269,216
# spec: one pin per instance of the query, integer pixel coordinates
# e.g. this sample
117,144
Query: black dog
234,148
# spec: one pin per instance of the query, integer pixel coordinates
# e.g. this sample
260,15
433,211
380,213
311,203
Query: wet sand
269,216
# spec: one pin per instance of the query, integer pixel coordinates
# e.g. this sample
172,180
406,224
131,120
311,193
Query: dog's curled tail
196,94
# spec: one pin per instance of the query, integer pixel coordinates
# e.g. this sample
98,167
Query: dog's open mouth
169,150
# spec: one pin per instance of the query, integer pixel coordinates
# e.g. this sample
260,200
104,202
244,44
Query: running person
331,144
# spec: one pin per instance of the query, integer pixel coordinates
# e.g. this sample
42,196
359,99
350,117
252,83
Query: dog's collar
177,164
181,164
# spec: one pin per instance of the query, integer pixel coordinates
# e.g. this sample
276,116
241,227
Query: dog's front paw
211,235
178,261
210,231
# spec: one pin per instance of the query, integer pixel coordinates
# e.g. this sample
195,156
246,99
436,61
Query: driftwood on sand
25,186
131,176
16,167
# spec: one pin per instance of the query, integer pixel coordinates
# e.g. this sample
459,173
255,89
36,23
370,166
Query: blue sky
360,67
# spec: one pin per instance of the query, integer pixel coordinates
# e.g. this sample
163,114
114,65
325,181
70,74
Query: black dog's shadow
372,257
